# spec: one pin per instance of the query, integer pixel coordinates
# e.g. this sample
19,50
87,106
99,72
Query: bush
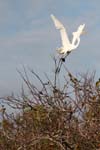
53,118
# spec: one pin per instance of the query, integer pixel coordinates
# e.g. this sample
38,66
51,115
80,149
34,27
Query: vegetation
52,117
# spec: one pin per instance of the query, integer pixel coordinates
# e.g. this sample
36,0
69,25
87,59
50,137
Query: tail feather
61,50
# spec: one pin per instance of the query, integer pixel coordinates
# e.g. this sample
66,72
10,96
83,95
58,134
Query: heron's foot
68,53
63,59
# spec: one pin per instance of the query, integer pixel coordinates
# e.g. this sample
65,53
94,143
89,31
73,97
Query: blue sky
28,37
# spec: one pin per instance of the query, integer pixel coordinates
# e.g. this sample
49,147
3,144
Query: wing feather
60,26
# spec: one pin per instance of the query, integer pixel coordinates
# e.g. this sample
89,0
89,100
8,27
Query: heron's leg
60,64
57,69
61,61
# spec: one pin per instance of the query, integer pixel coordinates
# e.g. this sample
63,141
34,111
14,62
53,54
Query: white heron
67,46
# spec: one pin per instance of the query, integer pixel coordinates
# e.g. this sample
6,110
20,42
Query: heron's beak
83,32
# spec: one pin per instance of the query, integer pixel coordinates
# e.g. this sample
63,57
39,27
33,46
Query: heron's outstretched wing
57,23
64,36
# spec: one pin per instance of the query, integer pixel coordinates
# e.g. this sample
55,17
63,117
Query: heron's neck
77,44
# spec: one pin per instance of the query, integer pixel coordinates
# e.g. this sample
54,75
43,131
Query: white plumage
67,46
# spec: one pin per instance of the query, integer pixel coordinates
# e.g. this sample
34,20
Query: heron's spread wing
57,23
64,36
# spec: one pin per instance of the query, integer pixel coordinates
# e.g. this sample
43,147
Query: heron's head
81,29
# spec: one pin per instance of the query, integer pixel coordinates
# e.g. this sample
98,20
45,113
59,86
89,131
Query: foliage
53,117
